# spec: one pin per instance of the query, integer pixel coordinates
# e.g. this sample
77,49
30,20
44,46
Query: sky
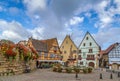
45,19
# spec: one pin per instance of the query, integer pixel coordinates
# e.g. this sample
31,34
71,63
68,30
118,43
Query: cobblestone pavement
47,75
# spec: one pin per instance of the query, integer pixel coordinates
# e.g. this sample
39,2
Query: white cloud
49,20
106,13
13,31
103,4
11,35
107,36
105,18
35,5
76,20
37,32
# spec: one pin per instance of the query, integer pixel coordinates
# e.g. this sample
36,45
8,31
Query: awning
49,61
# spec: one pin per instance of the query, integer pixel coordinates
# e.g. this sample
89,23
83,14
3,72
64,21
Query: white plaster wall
85,50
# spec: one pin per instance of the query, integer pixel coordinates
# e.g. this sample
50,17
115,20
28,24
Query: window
79,51
81,63
74,51
45,55
40,53
62,46
79,57
88,56
52,55
64,51
90,50
83,44
55,47
86,38
90,44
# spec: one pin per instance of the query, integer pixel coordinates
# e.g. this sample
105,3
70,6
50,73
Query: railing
79,58
90,58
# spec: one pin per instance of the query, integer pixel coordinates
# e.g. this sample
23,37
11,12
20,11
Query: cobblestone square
48,75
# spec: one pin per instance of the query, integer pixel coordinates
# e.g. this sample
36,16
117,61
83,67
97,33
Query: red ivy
24,48
10,52
34,57
33,50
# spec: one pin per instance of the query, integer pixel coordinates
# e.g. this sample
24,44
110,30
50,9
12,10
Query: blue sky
44,19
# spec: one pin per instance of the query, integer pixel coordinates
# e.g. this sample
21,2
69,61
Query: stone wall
14,67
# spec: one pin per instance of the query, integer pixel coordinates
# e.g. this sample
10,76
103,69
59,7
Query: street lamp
76,74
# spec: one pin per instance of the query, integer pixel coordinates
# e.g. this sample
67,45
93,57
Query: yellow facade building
69,52
48,50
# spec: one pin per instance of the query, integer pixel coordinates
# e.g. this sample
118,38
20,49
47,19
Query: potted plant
68,70
76,70
89,69
85,70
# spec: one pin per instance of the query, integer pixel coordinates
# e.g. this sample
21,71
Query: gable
115,52
88,41
67,42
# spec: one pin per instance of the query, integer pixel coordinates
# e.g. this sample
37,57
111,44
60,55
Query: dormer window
86,38
90,44
79,51
83,44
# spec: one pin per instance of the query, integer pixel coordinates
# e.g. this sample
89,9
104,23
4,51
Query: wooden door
91,64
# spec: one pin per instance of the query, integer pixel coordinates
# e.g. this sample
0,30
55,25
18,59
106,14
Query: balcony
55,51
90,58
79,58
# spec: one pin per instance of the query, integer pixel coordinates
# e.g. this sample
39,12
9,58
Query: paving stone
47,75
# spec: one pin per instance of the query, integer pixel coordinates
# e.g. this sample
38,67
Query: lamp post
76,74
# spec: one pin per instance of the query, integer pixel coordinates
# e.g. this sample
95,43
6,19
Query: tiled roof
108,49
43,45
50,42
39,45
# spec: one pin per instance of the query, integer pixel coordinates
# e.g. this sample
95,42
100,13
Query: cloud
13,31
107,11
56,18
65,8
52,17
37,32
35,5
76,20
107,36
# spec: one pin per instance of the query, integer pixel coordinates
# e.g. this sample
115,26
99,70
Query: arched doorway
91,64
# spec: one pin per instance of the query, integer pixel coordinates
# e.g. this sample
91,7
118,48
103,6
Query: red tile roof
102,52
43,45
